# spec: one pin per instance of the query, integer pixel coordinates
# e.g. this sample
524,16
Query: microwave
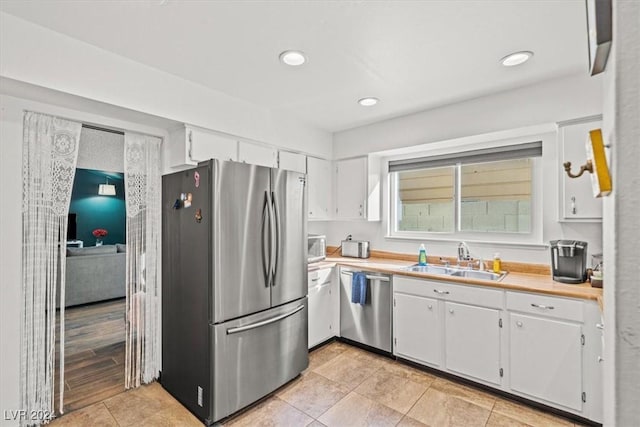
317,247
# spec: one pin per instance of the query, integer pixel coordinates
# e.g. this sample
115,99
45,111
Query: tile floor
343,386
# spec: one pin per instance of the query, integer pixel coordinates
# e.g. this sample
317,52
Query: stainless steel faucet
463,252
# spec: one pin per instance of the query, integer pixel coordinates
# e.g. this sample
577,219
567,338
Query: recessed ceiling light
368,102
293,57
516,58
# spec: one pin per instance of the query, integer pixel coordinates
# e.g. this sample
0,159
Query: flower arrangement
99,233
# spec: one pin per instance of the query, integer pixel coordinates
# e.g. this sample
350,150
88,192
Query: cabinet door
257,154
578,202
292,161
546,359
351,188
417,328
319,188
320,314
207,145
189,145
472,341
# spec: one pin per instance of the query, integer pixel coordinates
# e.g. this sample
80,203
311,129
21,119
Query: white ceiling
413,55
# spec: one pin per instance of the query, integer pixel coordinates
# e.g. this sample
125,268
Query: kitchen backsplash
374,232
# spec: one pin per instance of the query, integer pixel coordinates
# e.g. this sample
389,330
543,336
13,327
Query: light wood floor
343,386
94,353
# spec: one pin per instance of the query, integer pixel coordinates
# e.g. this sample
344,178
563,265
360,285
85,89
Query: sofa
94,273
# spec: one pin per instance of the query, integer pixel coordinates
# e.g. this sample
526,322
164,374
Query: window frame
534,237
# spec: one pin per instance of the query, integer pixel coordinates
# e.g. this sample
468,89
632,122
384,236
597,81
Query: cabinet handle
315,280
519,324
451,310
430,306
600,326
441,292
573,205
190,146
544,307
600,359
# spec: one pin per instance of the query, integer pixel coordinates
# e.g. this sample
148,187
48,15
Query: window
426,199
477,191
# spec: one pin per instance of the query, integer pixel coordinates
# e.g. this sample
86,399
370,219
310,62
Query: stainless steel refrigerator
234,284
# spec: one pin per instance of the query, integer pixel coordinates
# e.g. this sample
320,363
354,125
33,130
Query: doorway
94,345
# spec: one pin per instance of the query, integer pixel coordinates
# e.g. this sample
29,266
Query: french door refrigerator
234,284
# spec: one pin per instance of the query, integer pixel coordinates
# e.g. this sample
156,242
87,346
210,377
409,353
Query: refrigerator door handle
265,248
276,240
265,322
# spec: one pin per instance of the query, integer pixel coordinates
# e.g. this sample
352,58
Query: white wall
39,56
547,102
519,112
11,112
622,221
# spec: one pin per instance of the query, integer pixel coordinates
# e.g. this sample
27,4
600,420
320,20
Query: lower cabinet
417,328
472,341
322,306
541,347
546,359
320,314
450,327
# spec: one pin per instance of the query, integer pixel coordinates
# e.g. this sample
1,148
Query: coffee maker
569,261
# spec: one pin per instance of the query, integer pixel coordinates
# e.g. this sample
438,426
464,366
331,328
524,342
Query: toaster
355,248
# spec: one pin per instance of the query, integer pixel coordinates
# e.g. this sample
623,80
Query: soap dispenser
497,263
422,255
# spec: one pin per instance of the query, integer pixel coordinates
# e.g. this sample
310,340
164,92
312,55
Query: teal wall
94,211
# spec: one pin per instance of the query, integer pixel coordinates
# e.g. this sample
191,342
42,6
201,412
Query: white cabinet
189,145
257,154
472,341
417,329
452,327
541,347
577,202
319,188
320,314
322,306
292,161
553,349
546,359
357,187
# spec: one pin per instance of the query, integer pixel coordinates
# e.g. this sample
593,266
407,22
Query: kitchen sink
456,272
477,274
433,269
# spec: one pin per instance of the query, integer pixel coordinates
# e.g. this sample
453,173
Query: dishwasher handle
370,276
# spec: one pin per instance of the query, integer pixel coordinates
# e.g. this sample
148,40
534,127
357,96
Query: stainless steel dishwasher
368,324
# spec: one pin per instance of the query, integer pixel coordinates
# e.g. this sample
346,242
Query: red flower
99,232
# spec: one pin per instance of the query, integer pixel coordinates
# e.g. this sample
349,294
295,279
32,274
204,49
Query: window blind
510,152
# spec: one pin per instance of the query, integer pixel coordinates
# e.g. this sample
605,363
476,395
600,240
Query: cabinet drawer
412,286
434,289
472,295
319,277
560,308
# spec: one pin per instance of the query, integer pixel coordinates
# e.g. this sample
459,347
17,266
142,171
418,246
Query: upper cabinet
357,183
257,154
319,188
189,145
292,161
577,202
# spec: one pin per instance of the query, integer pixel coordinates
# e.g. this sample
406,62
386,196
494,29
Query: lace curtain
50,153
143,200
